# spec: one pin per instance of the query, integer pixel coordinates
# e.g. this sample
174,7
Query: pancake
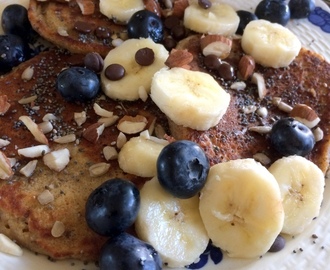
63,24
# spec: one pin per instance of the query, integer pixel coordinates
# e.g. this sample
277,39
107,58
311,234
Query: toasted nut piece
132,124
217,45
318,134
5,167
4,104
99,169
57,160
45,127
45,197
87,7
179,7
260,129
153,6
34,129
29,168
28,73
80,117
27,100
179,58
259,80
262,158
93,132
34,151
108,121
305,115
65,139
284,107
121,140
4,143
101,112
246,66
110,153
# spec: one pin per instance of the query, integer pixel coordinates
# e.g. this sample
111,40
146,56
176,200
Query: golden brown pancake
63,24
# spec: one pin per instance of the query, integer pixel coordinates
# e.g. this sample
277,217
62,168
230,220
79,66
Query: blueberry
182,168
278,244
276,11
78,84
13,51
301,8
290,137
125,251
14,20
112,207
244,18
144,24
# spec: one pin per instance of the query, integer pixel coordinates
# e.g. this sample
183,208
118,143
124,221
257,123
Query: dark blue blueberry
278,244
125,251
244,18
290,137
13,51
14,20
301,8
145,24
112,207
78,84
182,168
276,11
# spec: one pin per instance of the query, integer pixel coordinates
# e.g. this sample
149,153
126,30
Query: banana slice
270,44
219,19
302,184
241,208
172,226
137,77
189,98
139,156
120,10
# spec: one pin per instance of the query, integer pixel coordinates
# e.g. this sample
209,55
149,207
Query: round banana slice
241,208
302,185
219,19
172,226
189,98
136,77
270,44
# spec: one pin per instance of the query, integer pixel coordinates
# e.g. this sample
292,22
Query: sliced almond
66,139
143,94
259,80
262,158
153,6
58,229
318,134
284,107
93,132
99,169
34,151
27,100
8,246
238,86
217,45
132,124
102,112
28,73
6,171
87,7
121,140
29,168
110,153
45,127
45,197
305,115
108,121
57,160
49,117
261,129
80,117
4,104
34,129
4,143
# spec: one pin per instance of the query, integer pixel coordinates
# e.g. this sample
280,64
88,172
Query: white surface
308,255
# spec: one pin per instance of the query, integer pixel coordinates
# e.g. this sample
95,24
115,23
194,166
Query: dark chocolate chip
169,43
212,62
205,4
278,244
171,21
114,72
84,27
178,32
226,71
94,61
102,32
145,56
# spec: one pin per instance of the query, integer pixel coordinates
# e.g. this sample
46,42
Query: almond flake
108,121
66,139
8,246
216,45
110,153
34,129
259,80
121,140
62,32
12,162
45,127
57,160
132,124
5,167
29,168
58,229
99,169
262,158
49,117
4,104
4,143
45,197
27,100
284,107
143,94
87,7
261,129
102,112
318,134
80,118
28,73
34,151
238,86
93,132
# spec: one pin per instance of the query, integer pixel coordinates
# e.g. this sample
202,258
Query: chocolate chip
212,62
83,27
278,244
114,72
178,32
226,71
204,4
102,32
94,61
171,21
169,43
145,56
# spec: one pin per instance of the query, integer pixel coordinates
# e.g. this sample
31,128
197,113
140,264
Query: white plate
302,252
